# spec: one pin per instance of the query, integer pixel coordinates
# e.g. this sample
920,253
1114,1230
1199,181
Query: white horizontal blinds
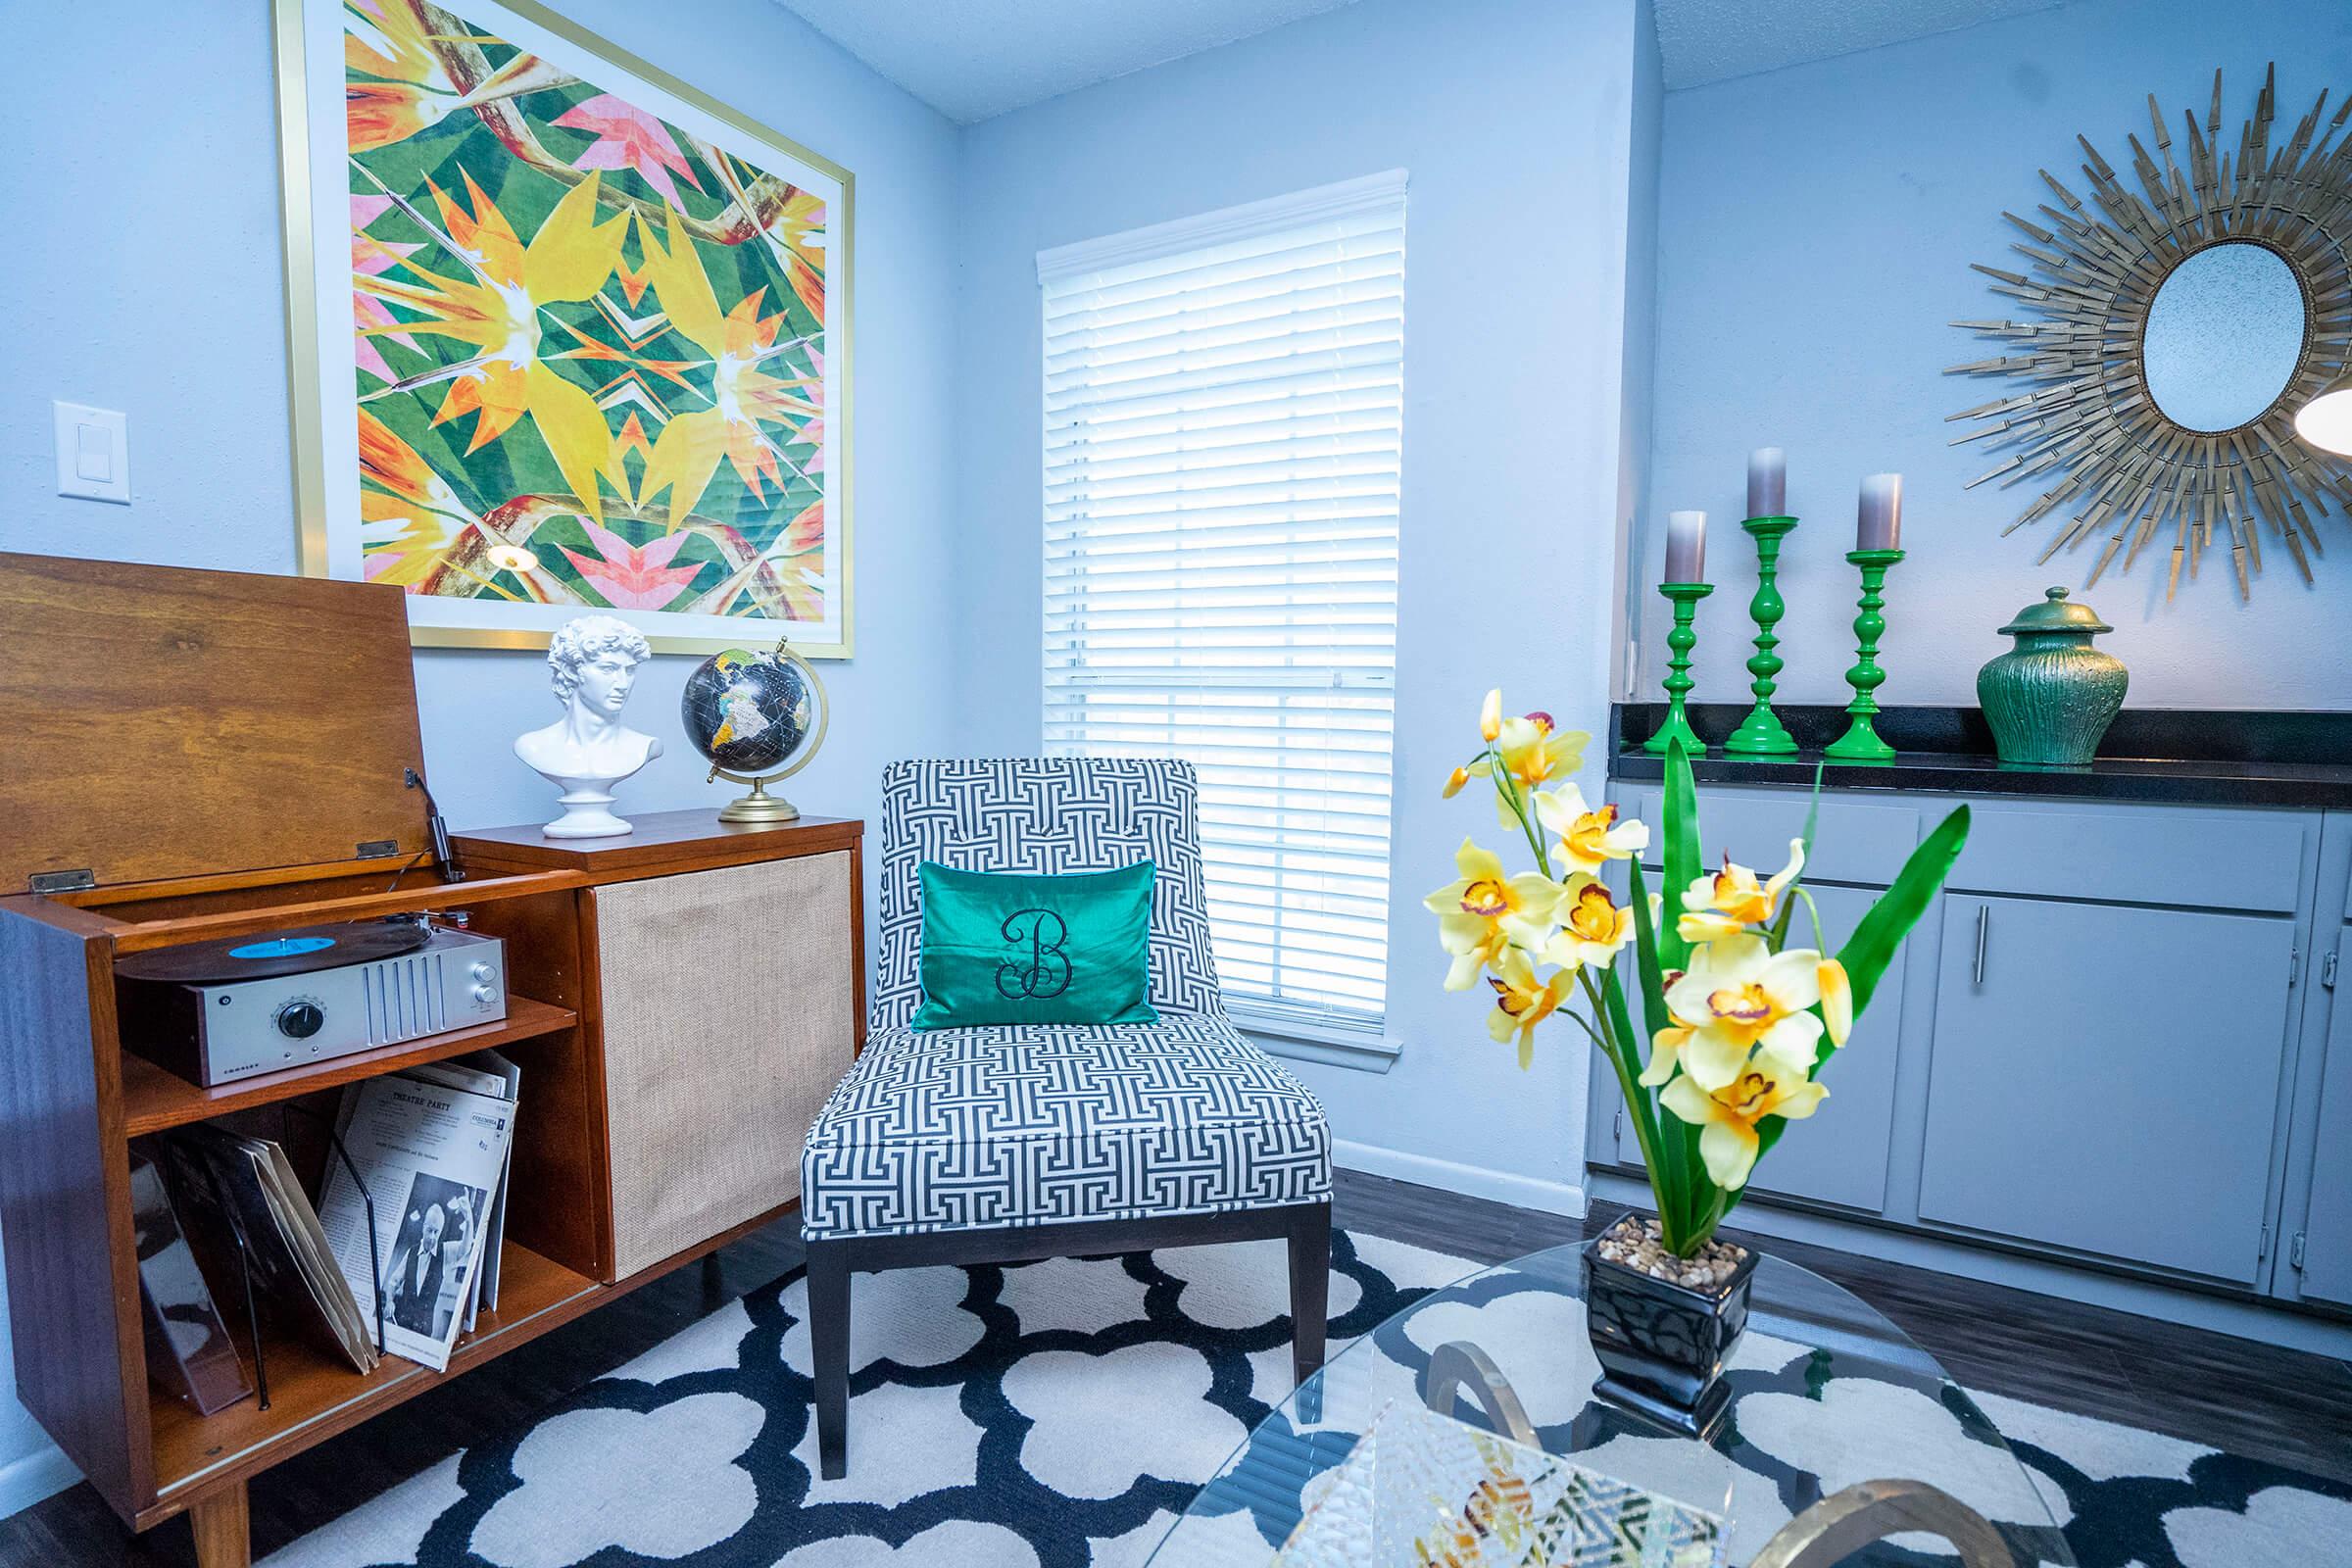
1223,415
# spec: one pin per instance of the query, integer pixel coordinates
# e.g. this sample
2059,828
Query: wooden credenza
198,755
680,1003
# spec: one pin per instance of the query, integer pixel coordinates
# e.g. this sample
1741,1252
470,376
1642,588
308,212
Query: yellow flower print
1726,1118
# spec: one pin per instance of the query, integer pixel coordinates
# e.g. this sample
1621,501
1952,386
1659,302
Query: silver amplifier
215,1031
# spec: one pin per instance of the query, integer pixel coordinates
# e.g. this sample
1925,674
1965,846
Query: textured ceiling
1709,40
971,59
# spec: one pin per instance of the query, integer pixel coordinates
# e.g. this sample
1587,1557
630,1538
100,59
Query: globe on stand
756,717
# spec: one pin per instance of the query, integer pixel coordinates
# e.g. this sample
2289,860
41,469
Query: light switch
93,453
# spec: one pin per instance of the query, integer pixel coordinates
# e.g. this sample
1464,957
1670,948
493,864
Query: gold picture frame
327,522
2087,425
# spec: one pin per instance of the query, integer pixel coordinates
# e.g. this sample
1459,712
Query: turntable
217,1012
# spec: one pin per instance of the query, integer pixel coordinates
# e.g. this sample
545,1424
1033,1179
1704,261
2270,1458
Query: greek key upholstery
1048,816
956,1129
1012,1125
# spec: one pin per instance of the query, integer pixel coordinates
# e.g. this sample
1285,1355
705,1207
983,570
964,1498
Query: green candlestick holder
1760,733
1861,743
1685,597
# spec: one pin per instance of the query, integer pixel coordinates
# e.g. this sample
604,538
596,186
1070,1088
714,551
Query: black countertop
2149,754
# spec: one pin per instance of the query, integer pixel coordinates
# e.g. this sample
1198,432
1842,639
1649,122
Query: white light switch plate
93,453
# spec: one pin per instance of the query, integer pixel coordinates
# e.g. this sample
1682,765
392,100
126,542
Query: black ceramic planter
1662,1346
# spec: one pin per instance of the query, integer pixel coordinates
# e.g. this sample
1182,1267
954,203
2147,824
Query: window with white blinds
1224,406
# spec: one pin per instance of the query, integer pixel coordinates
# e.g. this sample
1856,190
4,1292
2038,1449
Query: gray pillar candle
1879,524
1768,482
1685,547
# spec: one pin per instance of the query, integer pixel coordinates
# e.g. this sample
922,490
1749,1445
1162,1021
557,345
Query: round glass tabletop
1826,1392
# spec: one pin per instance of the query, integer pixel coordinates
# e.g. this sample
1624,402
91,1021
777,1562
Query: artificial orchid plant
1738,1024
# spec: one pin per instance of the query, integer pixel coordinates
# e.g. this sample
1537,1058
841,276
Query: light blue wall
1514,120
144,220
1818,224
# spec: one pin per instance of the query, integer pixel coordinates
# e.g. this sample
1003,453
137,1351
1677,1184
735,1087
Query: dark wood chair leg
223,1532
829,1355
1310,1288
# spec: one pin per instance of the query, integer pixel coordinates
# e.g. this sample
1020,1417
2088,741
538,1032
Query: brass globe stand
760,806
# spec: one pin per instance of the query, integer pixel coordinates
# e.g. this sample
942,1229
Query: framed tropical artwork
566,334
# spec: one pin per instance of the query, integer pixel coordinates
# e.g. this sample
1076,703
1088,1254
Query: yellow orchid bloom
1665,1051
1722,903
1533,753
1836,1000
1482,911
1523,1000
1474,943
1726,1118
1587,839
1738,994
1592,925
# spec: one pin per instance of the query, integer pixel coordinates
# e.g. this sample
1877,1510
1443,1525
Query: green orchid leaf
1646,953
1660,1148
1880,935
1683,859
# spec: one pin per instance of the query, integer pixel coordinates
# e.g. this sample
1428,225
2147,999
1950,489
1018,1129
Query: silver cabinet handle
1984,924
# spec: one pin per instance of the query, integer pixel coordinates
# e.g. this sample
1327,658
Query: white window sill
1332,1047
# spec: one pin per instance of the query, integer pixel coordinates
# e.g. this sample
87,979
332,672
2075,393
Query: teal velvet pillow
1015,948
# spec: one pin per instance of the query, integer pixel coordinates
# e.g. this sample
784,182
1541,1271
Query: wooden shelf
313,1393
155,1099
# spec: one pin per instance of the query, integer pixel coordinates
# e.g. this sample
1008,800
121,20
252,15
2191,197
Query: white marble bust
592,661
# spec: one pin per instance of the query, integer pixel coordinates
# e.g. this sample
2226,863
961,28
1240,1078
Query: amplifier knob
485,994
299,1020
482,971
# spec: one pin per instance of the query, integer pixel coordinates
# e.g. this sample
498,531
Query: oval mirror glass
2223,336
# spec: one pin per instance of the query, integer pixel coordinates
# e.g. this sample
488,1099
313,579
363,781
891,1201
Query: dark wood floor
2286,1406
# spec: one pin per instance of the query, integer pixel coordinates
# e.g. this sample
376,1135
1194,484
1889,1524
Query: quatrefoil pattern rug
1063,1413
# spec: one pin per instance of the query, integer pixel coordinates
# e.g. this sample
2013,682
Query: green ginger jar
2050,697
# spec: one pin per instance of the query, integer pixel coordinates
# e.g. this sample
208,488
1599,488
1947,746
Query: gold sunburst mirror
2172,330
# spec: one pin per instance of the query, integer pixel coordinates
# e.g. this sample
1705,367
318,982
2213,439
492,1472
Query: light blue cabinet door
2106,1079
2327,1228
1839,1155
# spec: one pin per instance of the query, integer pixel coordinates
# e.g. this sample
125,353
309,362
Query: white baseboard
27,1479
1475,1180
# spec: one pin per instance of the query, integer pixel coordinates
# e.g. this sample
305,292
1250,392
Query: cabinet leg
224,1537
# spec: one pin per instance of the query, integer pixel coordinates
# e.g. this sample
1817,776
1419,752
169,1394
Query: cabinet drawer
1853,841
2137,855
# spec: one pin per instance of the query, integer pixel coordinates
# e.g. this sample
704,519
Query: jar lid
2054,613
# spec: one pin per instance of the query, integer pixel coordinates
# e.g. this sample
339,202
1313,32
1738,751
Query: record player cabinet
198,754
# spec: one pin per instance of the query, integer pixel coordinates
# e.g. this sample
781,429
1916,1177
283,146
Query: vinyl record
274,952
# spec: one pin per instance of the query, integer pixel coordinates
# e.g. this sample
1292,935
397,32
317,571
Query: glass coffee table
1827,1395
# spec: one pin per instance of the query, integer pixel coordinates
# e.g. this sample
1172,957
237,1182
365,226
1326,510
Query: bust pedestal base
587,812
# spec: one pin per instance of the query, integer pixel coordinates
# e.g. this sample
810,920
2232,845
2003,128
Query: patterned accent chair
1011,1143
